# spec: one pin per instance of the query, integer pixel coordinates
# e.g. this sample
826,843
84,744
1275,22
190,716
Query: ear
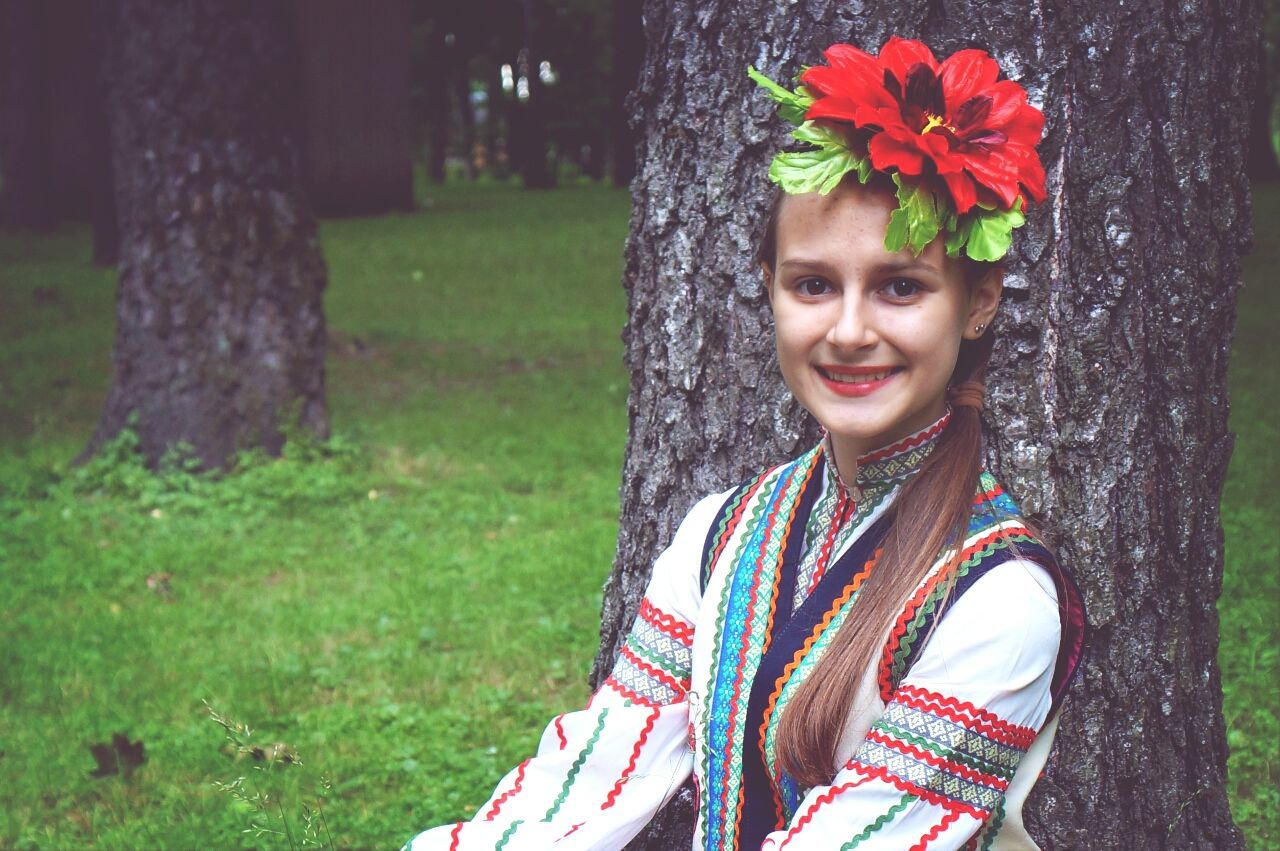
984,300
767,274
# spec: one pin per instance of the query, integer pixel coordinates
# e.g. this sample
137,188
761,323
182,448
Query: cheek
794,337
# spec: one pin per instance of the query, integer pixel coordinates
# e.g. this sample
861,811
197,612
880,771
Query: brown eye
902,288
812,287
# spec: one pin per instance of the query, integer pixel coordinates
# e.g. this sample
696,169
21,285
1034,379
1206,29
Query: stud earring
979,328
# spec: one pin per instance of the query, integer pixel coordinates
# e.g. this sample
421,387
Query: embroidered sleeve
601,773
933,769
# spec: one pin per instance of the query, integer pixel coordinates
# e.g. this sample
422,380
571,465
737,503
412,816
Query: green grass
1249,607
406,606
405,610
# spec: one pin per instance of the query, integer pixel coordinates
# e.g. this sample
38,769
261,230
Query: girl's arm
601,773
933,769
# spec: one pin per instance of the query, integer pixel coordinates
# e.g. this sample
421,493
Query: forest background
350,638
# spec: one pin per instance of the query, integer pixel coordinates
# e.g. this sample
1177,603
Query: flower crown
958,142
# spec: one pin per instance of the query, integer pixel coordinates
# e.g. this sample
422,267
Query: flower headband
958,142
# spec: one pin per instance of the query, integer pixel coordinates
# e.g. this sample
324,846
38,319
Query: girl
865,647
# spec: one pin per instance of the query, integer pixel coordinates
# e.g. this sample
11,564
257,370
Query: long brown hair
930,512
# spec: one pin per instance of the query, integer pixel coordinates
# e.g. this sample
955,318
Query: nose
851,327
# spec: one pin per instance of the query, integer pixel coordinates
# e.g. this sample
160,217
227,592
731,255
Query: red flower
956,120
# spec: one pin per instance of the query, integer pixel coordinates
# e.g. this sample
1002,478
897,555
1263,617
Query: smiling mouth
857,375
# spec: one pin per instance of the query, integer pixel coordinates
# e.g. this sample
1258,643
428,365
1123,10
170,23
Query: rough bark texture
1107,406
220,332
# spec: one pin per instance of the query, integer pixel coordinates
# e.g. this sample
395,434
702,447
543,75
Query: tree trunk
359,137
102,195
220,332
1107,402
460,81
529,137
25,164
628,53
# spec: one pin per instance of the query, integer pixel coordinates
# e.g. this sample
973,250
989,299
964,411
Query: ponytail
930,512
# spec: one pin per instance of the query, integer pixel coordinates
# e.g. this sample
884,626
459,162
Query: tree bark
1107,402
220,331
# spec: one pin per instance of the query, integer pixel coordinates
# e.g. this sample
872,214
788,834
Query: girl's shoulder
1014,575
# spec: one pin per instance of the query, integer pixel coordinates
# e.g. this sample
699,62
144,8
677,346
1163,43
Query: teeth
858,379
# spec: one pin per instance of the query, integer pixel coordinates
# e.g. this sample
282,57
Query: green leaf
917,220
989,233
792,106
819,170
825,137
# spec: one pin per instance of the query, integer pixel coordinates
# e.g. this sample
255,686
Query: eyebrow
890,268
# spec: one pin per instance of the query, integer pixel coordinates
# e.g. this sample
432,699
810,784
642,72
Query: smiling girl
865,647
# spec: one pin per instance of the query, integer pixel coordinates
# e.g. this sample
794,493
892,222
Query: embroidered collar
889,465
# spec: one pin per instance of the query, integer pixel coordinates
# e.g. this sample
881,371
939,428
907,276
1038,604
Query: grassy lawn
403,608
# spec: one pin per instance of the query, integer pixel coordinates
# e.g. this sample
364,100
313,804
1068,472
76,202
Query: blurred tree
53,138
554,107
26,167
358,137
1264,131
1107,402
628,53
220,333
529,130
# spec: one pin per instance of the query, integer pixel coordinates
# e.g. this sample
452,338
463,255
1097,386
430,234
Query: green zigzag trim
507,834
658,661
725,516
761,499
904,802
896,670
950,755
993,827
763,496
811,658
796,478
577,766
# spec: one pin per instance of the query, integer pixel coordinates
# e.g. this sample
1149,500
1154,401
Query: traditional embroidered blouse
944,737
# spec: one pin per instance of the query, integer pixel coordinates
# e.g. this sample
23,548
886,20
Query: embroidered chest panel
762,645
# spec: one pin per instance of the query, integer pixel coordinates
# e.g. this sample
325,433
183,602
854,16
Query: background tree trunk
359,137
220,331
25,159
529,134
628,53
1107,404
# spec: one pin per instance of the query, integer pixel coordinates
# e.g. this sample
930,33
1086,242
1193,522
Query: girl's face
867,339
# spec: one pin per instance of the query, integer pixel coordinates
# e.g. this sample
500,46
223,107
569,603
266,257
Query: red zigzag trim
635,757
515,787
907,443
559,725
668,624
946,822
953,768
901,785
823,799
654,672
629,694
900,626
966,715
